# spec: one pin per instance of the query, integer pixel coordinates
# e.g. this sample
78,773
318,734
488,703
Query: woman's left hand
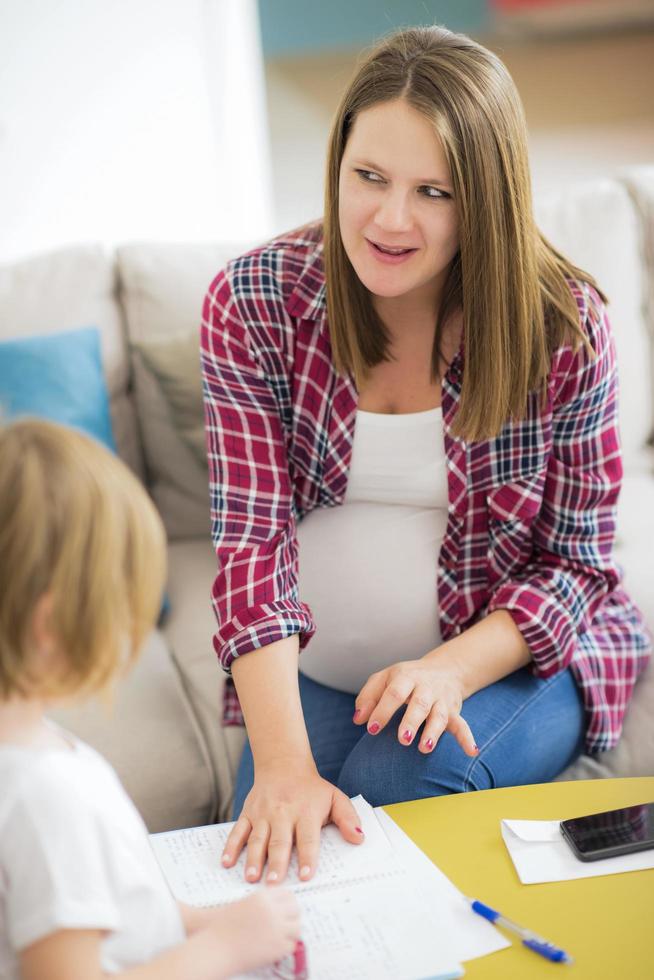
433,694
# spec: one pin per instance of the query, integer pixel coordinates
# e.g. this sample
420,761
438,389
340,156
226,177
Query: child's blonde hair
77,526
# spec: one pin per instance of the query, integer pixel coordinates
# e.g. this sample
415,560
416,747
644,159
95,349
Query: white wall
131,119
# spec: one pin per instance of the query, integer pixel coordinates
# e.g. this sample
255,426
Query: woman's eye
433,192
369,176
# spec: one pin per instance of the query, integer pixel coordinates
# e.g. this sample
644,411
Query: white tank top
368,568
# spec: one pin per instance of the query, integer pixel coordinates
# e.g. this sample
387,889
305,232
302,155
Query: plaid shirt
531,515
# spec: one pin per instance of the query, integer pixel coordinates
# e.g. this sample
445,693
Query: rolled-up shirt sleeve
554,597
255,592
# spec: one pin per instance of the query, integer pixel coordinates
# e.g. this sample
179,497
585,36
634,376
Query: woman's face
397,216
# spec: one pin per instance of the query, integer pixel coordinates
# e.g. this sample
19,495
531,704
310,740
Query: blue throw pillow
58,377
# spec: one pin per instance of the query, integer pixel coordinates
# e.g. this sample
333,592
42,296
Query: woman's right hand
288,804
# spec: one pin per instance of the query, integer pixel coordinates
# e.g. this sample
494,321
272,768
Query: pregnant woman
411,414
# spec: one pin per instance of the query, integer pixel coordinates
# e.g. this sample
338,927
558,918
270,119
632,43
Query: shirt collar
308,300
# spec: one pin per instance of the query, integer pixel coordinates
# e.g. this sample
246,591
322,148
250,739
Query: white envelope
540,853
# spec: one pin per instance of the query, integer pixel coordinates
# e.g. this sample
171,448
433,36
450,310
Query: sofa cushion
188,631
596,226
151,737
634,540
639,183
58,377
176,366
67,289
162,289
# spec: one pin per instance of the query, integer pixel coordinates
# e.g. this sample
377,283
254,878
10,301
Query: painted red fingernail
373,728
429,744
358,830
300,959
476,748
407,735
356,714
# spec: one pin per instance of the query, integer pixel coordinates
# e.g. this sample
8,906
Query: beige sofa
164,735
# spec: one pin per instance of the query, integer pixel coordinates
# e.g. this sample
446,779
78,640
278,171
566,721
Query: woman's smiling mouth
389,254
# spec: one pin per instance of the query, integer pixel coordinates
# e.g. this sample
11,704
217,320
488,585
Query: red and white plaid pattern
531,512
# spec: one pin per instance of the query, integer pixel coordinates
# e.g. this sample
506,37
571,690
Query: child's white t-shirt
75,854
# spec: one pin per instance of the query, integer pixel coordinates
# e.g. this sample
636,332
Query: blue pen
529,938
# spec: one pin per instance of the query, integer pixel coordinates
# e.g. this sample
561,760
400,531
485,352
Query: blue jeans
528,731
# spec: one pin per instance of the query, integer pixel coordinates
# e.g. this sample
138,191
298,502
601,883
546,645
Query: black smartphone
608,834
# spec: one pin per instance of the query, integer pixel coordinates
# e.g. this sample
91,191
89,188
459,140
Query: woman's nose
394,213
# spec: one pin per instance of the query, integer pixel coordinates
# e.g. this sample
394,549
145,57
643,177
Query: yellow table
606,924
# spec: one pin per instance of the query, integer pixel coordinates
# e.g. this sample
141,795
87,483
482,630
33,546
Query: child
82,561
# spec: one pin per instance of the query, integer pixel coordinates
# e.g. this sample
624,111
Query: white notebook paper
365,914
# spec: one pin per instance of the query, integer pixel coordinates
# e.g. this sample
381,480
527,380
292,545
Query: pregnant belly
368,572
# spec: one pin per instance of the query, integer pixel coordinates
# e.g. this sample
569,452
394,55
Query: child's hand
260,929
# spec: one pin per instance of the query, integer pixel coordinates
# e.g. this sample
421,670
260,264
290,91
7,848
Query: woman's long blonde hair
78,527
507,280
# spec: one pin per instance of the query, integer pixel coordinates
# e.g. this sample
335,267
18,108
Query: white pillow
594,224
